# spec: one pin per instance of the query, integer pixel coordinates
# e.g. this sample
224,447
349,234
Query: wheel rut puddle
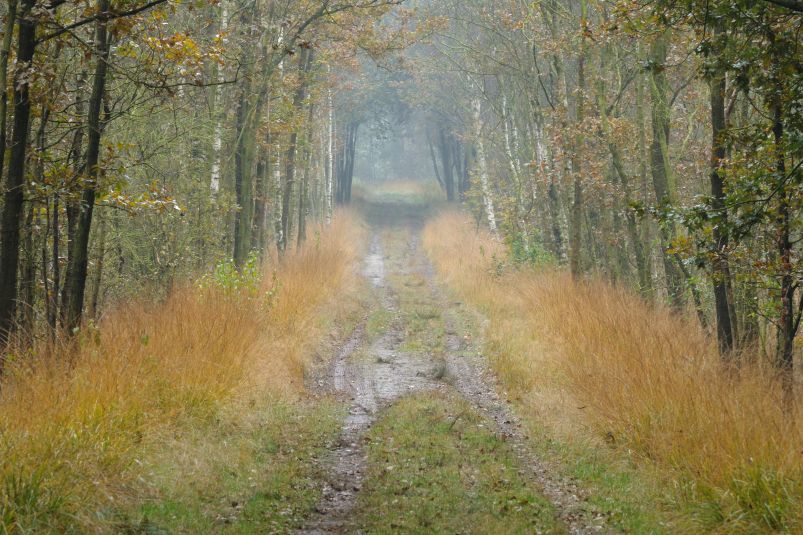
373,375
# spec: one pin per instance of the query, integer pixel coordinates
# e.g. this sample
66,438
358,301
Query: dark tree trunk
287,192
245,130
79,259
243,186
13,196
28,278
302,204
721,270
28,270
787,323
352,149
71,207
575,236
554,216
52,291
261,199
303,191
8,34
659,164
630,219
97,280
447,159
434,161
645,275
345,166
465,177
290,157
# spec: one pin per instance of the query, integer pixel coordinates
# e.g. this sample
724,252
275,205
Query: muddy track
371,375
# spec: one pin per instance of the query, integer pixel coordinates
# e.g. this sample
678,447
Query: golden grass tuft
647,379
74,422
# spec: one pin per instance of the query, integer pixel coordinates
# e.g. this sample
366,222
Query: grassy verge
595,367
435,466
252,472
173,404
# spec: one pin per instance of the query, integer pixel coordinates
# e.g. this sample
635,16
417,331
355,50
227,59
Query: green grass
424,323
435,466
256,478
378,322
630,501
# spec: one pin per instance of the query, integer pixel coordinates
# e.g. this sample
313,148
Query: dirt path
374,371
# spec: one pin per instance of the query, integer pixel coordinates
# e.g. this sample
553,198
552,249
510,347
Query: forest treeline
656,144
146,140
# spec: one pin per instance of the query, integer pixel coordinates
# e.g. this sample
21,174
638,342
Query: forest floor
430,442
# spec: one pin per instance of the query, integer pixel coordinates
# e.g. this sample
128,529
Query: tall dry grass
74,423
645,378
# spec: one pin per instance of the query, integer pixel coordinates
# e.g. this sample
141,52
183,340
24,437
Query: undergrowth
80,421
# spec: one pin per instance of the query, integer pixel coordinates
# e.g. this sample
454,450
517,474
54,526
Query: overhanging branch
109,15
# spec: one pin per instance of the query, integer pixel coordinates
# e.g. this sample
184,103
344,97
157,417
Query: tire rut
373,375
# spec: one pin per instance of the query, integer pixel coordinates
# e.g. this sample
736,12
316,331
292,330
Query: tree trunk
659,162
434,161
217,136
330,160
352,153
243,183
645,272
465,176
8,34
53,292
79,259
720,276
94,309
447,162
303,190
261,199
787,323
485,185
345,165
28,270
71,207
575,241
559,249
304,61
28,278
13,195
244,152
627,188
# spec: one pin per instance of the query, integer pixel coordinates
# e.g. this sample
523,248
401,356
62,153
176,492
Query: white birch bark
483,167
508,124
330,161
512,159
217,137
